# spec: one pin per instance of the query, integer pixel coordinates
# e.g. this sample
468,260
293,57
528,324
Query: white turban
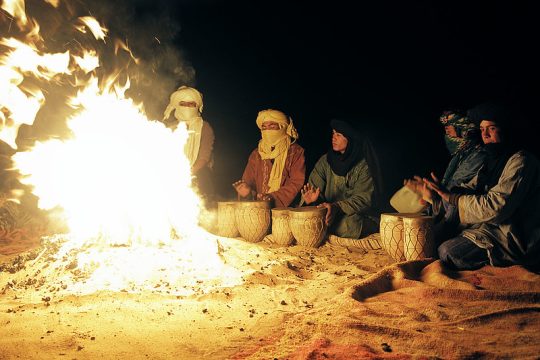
191,116
187,94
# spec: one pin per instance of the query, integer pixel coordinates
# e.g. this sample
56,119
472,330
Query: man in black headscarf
346,181
499,215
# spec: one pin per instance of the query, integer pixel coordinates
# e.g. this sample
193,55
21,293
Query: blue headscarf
467,132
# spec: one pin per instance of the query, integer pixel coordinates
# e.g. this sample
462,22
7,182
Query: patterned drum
281,231
307,225
391,229
252,219
418,238
226,219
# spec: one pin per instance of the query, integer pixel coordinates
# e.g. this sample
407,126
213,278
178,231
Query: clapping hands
415,184
427,187
436,186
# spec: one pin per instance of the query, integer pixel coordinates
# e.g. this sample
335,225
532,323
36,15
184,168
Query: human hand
242,188
331,211
415,184
435,178
264,197
426,193
310,193
435,186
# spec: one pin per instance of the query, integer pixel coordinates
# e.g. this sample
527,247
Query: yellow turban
277,117
275,143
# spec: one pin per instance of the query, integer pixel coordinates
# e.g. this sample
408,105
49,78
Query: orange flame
97,30
119,179
16,8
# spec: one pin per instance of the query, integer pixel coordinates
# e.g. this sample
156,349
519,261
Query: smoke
140,45
149,29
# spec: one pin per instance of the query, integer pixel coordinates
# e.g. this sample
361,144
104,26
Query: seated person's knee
447,251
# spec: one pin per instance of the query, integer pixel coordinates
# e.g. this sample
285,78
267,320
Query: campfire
118,182
125,270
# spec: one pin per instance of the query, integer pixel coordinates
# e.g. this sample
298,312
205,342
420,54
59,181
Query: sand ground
294,303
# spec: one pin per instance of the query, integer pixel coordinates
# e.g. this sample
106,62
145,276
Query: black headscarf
358,147
340,163
497,154
491,111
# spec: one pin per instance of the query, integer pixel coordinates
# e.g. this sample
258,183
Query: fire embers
59,268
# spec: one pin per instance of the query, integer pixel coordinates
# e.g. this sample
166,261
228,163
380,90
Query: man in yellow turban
187,105
276,169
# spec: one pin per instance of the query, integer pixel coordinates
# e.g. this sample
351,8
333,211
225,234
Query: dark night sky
391,67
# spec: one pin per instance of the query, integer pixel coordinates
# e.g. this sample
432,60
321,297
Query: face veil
275,144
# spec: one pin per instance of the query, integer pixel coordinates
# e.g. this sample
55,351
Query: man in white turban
276,168
187,105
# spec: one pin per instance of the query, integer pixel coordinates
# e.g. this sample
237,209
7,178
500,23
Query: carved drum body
281,231
252,219
391,229
308,225
407,236
418,238
226,219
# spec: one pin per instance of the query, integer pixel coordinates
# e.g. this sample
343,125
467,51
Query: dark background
390,67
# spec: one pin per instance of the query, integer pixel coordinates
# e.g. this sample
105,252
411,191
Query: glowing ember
120,182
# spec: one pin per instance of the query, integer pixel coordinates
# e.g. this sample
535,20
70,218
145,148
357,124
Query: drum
308,225
252,219
281,231
226,219
391,229
418,237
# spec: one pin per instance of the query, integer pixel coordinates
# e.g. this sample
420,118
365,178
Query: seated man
344,180
187,104
276,169
463,141
500,215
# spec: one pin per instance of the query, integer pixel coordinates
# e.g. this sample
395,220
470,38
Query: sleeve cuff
454,199
339,205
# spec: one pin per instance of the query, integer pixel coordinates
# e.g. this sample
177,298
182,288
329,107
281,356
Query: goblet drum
418,239
281,231
391,229
308,225
252,219
226,219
